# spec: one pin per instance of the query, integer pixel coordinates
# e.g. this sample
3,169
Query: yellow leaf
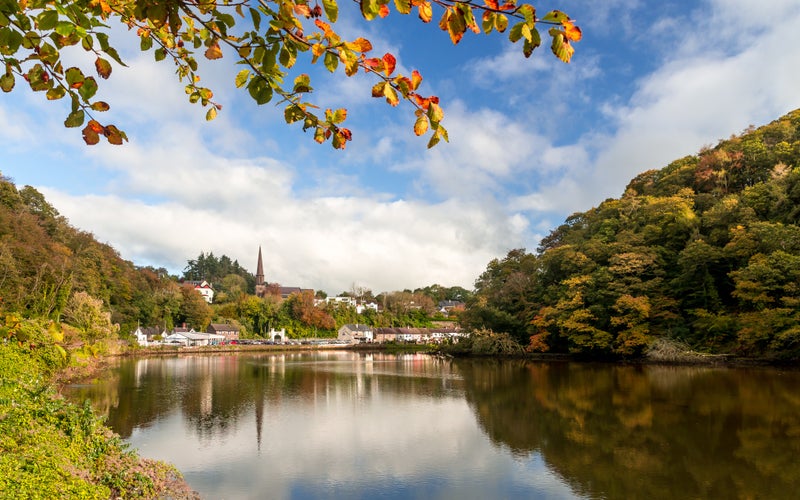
421,125
425,12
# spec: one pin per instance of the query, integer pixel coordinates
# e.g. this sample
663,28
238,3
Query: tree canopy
705,251
266,38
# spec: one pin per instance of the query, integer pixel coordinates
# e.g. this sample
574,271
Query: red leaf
390,63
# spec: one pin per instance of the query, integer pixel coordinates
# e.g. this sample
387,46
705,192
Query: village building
229,332
263,288
354,334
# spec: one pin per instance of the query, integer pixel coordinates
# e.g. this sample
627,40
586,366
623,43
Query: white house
193,338
204,289
360,308
144,336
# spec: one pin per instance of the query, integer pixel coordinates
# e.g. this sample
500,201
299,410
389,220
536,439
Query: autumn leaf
389,62
421,125
383,11
113,135
416,79
561,46
100,106
90,135
325,27
213,51
425,12
103,68
572,32
362,45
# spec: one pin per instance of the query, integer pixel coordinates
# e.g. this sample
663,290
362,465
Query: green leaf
331,61
65,28
369,9
302,83
47,20
403,6
288,56
10,40
145,43
160,54
555,16
293,113
56,93
88,89
260,90
7,82
516,32
74,77
75,119
241,78
331,10
256,17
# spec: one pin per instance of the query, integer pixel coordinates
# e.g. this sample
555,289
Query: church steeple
259,270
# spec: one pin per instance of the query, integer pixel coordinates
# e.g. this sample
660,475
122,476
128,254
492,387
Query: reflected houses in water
218,393
645,431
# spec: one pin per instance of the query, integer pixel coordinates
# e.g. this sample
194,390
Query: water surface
354,425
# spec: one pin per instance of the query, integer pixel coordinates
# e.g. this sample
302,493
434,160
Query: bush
484,342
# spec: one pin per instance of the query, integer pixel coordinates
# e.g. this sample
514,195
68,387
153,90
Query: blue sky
532,141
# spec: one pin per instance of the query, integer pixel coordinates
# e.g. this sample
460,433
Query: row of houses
355,334
215,334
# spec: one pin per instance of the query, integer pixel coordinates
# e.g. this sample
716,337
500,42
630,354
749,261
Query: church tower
261,287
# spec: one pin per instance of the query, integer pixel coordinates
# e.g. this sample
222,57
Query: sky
531,142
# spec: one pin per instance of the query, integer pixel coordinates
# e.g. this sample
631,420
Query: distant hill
704,251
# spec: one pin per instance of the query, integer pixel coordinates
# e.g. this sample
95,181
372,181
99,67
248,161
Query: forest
704,252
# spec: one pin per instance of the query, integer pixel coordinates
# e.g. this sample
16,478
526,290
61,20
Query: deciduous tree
265,37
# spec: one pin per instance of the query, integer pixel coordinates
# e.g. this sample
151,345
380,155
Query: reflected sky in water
330,425
354,425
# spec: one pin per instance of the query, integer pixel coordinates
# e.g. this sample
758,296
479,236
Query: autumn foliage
266,38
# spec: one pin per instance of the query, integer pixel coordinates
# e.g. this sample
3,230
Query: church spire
259,269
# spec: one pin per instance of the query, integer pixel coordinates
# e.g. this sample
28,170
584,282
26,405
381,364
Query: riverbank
50,448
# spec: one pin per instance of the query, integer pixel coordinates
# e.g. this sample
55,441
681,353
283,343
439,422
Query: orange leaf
571,31
390,62
362,44
302,10
492,4
213,51
374,64
95,126
90,136
325,27
383,11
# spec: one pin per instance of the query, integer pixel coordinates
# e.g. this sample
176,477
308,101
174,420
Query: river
340,424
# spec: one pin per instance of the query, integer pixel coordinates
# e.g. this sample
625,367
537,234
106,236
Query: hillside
44,261
705,251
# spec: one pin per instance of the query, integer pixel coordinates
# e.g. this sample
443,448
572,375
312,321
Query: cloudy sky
531,141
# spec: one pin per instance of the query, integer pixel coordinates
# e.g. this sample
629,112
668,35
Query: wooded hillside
704,251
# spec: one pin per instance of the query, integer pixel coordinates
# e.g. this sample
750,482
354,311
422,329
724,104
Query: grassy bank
50,448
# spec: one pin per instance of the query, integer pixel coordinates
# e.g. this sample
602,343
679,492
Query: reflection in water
646,432
342,424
